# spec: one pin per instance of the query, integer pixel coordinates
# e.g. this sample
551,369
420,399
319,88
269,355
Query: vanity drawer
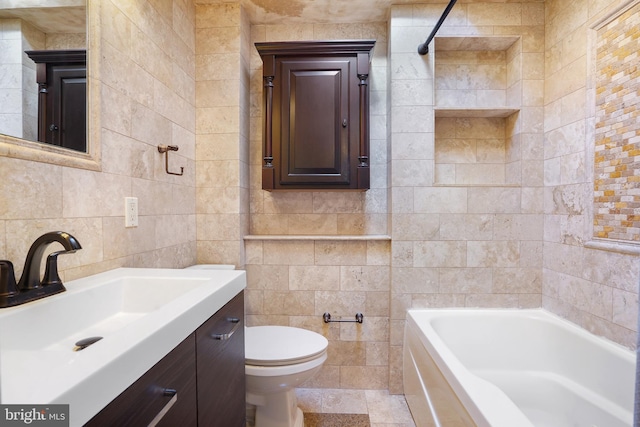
151,394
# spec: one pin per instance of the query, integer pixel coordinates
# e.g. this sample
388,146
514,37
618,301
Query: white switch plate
130,212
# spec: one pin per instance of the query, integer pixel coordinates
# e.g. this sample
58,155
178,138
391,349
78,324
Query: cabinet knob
344,123
53,128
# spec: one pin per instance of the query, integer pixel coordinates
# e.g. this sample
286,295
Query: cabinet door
66,108
315,131
220,366
144,400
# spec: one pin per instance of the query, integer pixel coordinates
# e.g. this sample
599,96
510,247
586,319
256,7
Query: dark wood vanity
200,382
316,114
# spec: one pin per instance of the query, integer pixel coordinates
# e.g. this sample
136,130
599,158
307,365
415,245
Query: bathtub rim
487,404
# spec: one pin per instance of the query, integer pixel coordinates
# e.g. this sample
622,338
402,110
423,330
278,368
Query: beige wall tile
289,303
341,304
412,172
314,277
496,200
340,253
517,280
625,308
288,253
494,14
415,226
269,277
30,190
466,226
414,280
364,278
92,194
493,254
466,280
439,254
440,200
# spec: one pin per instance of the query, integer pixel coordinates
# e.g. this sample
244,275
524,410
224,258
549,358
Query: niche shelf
478,83
474,112
478,73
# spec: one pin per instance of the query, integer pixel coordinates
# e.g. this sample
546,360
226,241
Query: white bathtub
513,368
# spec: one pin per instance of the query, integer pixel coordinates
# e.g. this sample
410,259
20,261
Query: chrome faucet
30,287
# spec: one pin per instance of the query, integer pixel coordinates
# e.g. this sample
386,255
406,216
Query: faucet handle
51,276
8,286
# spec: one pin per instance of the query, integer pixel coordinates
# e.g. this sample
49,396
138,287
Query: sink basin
142,314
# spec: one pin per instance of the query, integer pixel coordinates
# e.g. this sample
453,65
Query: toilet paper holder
165,149
327,319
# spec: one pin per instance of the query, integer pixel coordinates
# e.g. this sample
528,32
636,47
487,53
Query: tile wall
294,280
471,237
518,242
595,288
222,126
144,57
18,87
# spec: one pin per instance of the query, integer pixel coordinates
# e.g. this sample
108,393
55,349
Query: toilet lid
281,345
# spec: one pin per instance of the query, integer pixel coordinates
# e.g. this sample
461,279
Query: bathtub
513,368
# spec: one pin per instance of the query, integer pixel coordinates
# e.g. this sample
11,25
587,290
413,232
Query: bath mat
336,420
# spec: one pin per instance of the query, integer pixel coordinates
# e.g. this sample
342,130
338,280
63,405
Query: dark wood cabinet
170,384
201,382
316,118
220,367
62,88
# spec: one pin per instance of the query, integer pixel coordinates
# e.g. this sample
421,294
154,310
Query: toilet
277,360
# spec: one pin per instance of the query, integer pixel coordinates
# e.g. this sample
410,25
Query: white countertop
140,325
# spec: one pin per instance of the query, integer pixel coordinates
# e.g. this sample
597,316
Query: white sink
142,314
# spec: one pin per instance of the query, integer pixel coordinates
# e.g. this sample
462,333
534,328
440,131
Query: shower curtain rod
423,49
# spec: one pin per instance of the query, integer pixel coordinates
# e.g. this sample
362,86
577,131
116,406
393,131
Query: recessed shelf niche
478,87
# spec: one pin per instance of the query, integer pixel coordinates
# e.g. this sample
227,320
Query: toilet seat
282,346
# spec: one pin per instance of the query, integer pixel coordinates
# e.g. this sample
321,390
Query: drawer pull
174,398
233,330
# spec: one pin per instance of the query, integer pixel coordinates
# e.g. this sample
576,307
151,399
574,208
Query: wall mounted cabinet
316,114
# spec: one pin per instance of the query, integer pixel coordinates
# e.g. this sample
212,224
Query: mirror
38,25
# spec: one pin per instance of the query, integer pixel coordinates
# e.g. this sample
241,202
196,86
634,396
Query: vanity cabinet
220,368
316,114
200,382
147,398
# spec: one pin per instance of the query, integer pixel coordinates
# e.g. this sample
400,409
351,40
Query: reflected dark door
68,109
62,88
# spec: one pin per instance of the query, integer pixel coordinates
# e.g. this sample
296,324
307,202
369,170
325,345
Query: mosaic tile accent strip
617,151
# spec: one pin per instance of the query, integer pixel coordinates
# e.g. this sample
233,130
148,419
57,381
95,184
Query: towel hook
165,149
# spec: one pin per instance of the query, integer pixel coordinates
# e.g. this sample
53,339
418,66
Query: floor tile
343,401
383,409
387,408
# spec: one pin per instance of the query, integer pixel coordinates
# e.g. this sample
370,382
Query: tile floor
384,409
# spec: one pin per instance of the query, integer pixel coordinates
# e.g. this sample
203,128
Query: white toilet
277,360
